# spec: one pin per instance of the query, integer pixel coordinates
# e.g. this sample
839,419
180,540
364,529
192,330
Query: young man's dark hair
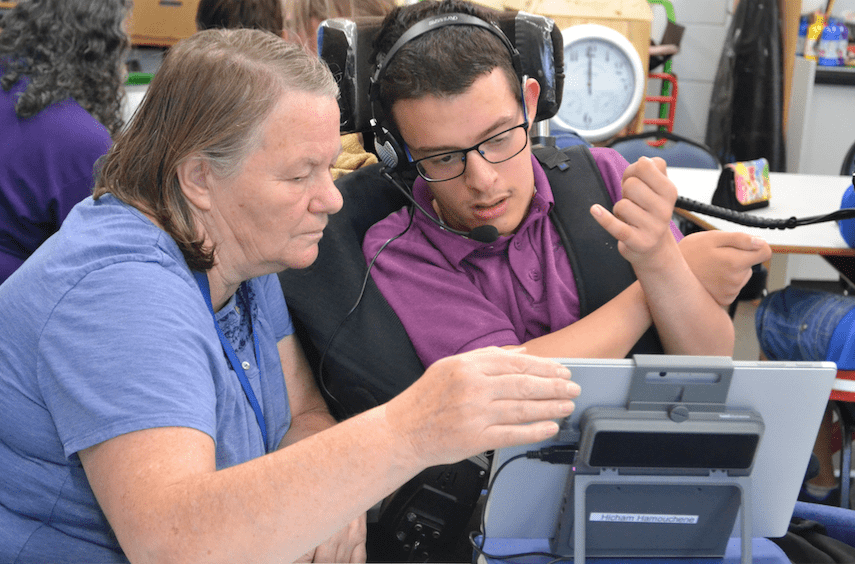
443,62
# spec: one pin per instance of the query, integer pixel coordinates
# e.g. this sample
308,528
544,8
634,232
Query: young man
454,100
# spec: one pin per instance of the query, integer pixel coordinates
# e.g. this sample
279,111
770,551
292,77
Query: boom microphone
482,233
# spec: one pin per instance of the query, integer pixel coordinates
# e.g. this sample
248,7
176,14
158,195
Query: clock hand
590,62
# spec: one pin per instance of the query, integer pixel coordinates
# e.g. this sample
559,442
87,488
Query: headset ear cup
387,148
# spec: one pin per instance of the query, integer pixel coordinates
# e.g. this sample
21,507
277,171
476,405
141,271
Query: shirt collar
456,248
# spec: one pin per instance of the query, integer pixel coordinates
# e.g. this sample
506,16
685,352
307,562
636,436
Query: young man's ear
193,178
531,92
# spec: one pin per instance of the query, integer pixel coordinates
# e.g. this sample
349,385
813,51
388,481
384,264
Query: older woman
157,406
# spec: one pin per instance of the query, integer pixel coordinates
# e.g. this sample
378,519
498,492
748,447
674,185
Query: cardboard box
162,22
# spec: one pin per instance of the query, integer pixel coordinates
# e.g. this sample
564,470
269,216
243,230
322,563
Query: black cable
762,222
323,384
483,233
558,454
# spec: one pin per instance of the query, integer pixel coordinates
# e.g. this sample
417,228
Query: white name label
644,518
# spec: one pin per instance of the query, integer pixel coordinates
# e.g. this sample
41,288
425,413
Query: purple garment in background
46,164
454,294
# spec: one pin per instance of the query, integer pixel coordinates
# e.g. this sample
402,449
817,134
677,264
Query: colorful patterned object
751,181
744,185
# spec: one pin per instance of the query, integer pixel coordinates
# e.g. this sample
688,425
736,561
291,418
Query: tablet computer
790,398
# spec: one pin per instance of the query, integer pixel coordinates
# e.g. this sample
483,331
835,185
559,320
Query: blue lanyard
202,280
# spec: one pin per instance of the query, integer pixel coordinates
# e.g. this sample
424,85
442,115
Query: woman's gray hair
209,99
67,48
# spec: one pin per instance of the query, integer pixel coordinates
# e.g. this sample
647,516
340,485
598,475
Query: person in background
302,18
230,14
156,404
804,324
61,90
455,101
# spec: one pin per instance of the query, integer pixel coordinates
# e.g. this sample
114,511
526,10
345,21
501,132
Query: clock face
603,82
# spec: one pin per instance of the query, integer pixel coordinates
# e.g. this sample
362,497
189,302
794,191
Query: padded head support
346,45
369,358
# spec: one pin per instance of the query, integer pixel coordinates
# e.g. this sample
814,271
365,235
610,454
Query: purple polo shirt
454,294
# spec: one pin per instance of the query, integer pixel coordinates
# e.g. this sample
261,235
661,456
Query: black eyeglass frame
524,125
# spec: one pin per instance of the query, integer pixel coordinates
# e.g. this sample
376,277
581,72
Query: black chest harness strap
600,272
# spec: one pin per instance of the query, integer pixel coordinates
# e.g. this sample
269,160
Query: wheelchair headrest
347,46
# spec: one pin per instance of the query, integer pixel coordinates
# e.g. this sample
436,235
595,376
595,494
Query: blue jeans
797,324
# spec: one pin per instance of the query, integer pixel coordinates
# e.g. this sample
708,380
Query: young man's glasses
499,148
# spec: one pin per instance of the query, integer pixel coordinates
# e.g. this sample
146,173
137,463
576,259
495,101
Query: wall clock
603,84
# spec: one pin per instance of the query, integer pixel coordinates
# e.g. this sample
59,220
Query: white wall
841,6
829,129
695,65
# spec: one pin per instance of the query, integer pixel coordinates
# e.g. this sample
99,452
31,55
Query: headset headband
389,149
436,22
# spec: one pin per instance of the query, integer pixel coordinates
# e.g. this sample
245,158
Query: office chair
676,150
820,533
839,522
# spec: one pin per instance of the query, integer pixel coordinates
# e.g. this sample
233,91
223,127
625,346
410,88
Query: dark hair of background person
446,61
250,14
67,48
183,116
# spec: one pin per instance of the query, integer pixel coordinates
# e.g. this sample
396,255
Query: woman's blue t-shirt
104,331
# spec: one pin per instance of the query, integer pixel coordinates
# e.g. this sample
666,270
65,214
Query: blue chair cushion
677,151
839,522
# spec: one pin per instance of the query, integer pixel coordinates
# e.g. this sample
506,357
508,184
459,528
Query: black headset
387,144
